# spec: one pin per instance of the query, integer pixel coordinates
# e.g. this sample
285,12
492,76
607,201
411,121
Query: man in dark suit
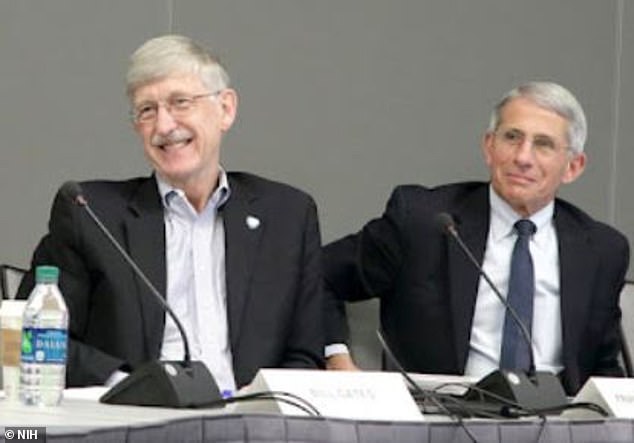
437,313
237,256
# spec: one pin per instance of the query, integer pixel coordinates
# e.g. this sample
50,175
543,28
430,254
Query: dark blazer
428,287
273,272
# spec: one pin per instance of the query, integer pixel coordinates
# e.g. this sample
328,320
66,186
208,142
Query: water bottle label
44,345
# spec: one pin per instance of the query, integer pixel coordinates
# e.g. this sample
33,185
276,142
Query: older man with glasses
560,270
236,256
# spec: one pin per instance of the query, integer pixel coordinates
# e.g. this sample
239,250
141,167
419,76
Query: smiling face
183,145
528,156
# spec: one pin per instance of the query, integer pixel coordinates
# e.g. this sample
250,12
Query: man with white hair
563,271
237,256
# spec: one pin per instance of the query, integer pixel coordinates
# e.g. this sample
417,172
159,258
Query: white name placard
615,395
340,394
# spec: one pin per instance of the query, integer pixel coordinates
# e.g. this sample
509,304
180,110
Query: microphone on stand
534,390
178,384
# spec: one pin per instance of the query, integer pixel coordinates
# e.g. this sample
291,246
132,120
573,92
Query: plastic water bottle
44,341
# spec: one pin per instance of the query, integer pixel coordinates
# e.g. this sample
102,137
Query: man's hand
341,362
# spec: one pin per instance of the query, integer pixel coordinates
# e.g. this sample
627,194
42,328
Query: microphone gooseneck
536,392
180,384
73,191
447,224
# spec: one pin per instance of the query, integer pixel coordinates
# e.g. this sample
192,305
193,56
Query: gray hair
555,98
162,56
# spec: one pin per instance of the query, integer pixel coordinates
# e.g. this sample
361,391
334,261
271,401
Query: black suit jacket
273,277
428,287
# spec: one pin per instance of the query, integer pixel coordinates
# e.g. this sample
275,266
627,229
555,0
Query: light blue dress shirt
196,283
488,319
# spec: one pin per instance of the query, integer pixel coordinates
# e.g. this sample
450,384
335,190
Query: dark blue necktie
516,351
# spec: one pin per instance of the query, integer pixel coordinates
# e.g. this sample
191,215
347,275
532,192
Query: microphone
178,384
446,223
536,390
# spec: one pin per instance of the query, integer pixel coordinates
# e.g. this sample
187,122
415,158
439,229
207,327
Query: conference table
81,418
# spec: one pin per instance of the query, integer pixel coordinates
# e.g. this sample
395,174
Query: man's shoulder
447,194
112,193
254,185
575,216
123,187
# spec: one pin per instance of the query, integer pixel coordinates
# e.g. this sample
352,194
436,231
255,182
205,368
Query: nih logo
22,433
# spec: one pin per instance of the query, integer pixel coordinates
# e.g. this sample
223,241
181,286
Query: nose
524,153
165,123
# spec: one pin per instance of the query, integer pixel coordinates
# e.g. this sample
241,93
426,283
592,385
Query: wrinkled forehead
533,118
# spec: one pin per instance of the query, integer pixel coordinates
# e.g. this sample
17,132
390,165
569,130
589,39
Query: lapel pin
252,222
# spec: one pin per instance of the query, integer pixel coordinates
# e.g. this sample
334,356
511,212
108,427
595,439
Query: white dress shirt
196,283
488,319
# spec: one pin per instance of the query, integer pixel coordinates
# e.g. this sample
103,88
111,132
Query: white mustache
176,136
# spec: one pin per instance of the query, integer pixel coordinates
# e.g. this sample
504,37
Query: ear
487,147
575,167
228,100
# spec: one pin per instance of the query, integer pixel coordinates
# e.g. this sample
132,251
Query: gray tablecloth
267,428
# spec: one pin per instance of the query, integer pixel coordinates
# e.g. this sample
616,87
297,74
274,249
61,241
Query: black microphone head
445,222
72,190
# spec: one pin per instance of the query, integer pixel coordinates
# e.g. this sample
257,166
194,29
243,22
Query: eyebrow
170,95
539,134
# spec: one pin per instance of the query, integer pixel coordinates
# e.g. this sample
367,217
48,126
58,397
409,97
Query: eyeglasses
177,106
541,144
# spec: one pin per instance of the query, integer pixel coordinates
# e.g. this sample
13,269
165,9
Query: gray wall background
344,99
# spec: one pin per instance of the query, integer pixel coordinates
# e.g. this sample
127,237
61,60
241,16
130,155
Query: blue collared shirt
196,282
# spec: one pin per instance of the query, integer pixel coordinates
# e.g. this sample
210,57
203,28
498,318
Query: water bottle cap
46,274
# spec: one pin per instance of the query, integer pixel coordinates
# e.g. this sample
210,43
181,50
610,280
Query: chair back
627,326
10,278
